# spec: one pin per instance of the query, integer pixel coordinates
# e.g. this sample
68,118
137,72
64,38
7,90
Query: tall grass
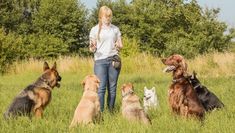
216,71
214,64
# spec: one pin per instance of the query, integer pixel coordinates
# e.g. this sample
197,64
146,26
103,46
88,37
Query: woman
105,42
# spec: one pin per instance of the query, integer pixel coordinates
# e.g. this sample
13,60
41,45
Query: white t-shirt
106,44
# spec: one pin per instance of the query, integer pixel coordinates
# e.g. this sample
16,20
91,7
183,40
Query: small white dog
150,99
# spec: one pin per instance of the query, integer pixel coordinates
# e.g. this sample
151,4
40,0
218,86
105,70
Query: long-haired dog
150,99
208,99
131,108
35,97
88,108
183,99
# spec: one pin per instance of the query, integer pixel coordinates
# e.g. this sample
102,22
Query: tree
65,19
166,27
10,48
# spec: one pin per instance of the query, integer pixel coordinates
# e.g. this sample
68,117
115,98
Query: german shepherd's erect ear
45,66
54,66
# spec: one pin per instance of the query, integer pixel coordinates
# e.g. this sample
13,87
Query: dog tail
6,115
144,117
221,105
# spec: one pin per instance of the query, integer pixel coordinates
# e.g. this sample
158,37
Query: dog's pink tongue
169,69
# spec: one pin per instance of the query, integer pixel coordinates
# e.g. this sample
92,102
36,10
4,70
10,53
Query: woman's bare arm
119,43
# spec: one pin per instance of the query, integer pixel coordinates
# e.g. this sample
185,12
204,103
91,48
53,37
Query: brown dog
89,107
36,96
131,108
182,97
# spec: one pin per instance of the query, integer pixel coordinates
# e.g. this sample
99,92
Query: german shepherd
35,97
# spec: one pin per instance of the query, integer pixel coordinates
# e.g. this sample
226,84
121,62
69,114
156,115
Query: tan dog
131,108
89,107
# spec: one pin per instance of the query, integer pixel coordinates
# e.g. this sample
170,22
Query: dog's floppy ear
132,86
122,88
184,64
54,66
163,60
45,66
98,80
83,83
181,61
185,67
98,83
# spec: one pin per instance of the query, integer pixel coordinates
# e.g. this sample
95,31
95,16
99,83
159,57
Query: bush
15,47
130,47
10,49
44,46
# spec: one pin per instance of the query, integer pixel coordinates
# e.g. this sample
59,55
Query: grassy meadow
216,71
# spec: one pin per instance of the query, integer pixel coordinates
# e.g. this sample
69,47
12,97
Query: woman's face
106,20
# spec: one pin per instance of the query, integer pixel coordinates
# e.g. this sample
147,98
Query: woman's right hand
92,46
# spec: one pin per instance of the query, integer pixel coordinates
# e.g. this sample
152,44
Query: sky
227,8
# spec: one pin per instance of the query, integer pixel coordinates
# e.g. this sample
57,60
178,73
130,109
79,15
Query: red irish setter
182,97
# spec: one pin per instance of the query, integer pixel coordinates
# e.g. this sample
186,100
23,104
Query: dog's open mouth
58,84
169,69
147,97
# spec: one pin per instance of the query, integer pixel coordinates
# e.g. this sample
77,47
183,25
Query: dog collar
177,80
128,93
198,85
46,83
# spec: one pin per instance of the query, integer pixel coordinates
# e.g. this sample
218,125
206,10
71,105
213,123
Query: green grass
59,113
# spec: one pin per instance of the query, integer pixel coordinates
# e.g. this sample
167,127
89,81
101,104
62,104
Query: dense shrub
43,46
10,49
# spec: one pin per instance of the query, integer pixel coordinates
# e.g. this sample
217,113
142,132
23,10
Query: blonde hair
104,11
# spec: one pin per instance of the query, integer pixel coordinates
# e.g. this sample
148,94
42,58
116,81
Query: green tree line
50,28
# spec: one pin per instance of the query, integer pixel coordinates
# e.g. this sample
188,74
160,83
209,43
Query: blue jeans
108,76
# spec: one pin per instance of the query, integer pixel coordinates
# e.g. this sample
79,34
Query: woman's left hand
118,44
